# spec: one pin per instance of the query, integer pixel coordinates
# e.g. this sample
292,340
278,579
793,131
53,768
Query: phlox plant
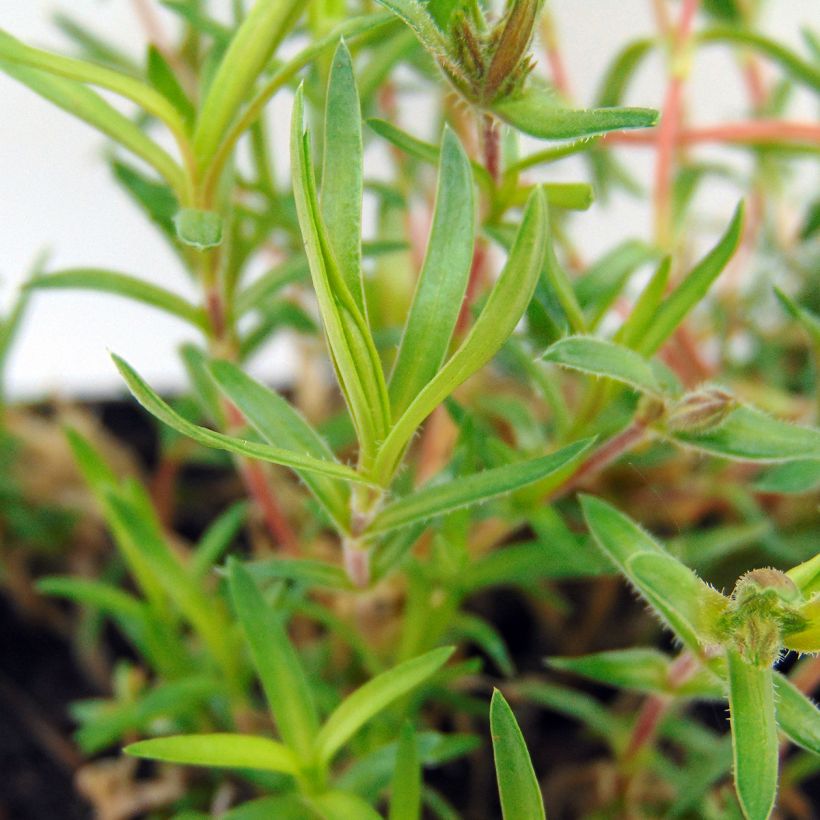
481,415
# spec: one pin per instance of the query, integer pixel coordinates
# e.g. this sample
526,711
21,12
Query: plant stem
670,124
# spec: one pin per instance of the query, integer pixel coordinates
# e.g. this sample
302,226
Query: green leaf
792,477
601,358
754,736
205,613
14,52
217,538
417,17
250,50
644,670
353,352
809,321
646,306
680,598
747,434
539,113
157,407
198,229
794,65
276,661
505,305
442,282
807,576
425,151
438,499
691,290
282,425
603,281
368,700
486,637
338,805
166,701
121,284
90,107
223,750
342,171
405,788
621,70
517,784
155,199
162,78
797,717
302,570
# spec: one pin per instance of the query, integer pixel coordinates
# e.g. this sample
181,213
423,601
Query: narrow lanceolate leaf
809,321
644,670
685,603
405,788
797,717
163,79
257,38
505,305
121,284
280,671
90,107
754,736
692,289
368,700
353,352
517,784
442,282
217,538
602,358
792,477
281,425
462,492
807,576
166,414
14,52
342,173
222,750
538,112
747,434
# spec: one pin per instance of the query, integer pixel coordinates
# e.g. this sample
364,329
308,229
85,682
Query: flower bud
511,40
700,410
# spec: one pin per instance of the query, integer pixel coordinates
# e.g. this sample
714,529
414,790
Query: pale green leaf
217,538
502,311
121,284
255,41
157,407
405,788
672,311
607,359
681,599
538,112
341,198
747,434
353,352
222,750
281,425
90,107
802,476
442,282
518,786
754,736
438,499
277,663
797,716
15,52
163,79
368,700
644,670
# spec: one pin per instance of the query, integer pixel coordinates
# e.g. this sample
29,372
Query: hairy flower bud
700,410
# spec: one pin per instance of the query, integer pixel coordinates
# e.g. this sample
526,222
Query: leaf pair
694,611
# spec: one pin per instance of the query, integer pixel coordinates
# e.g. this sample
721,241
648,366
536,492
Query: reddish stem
670,124
744,133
